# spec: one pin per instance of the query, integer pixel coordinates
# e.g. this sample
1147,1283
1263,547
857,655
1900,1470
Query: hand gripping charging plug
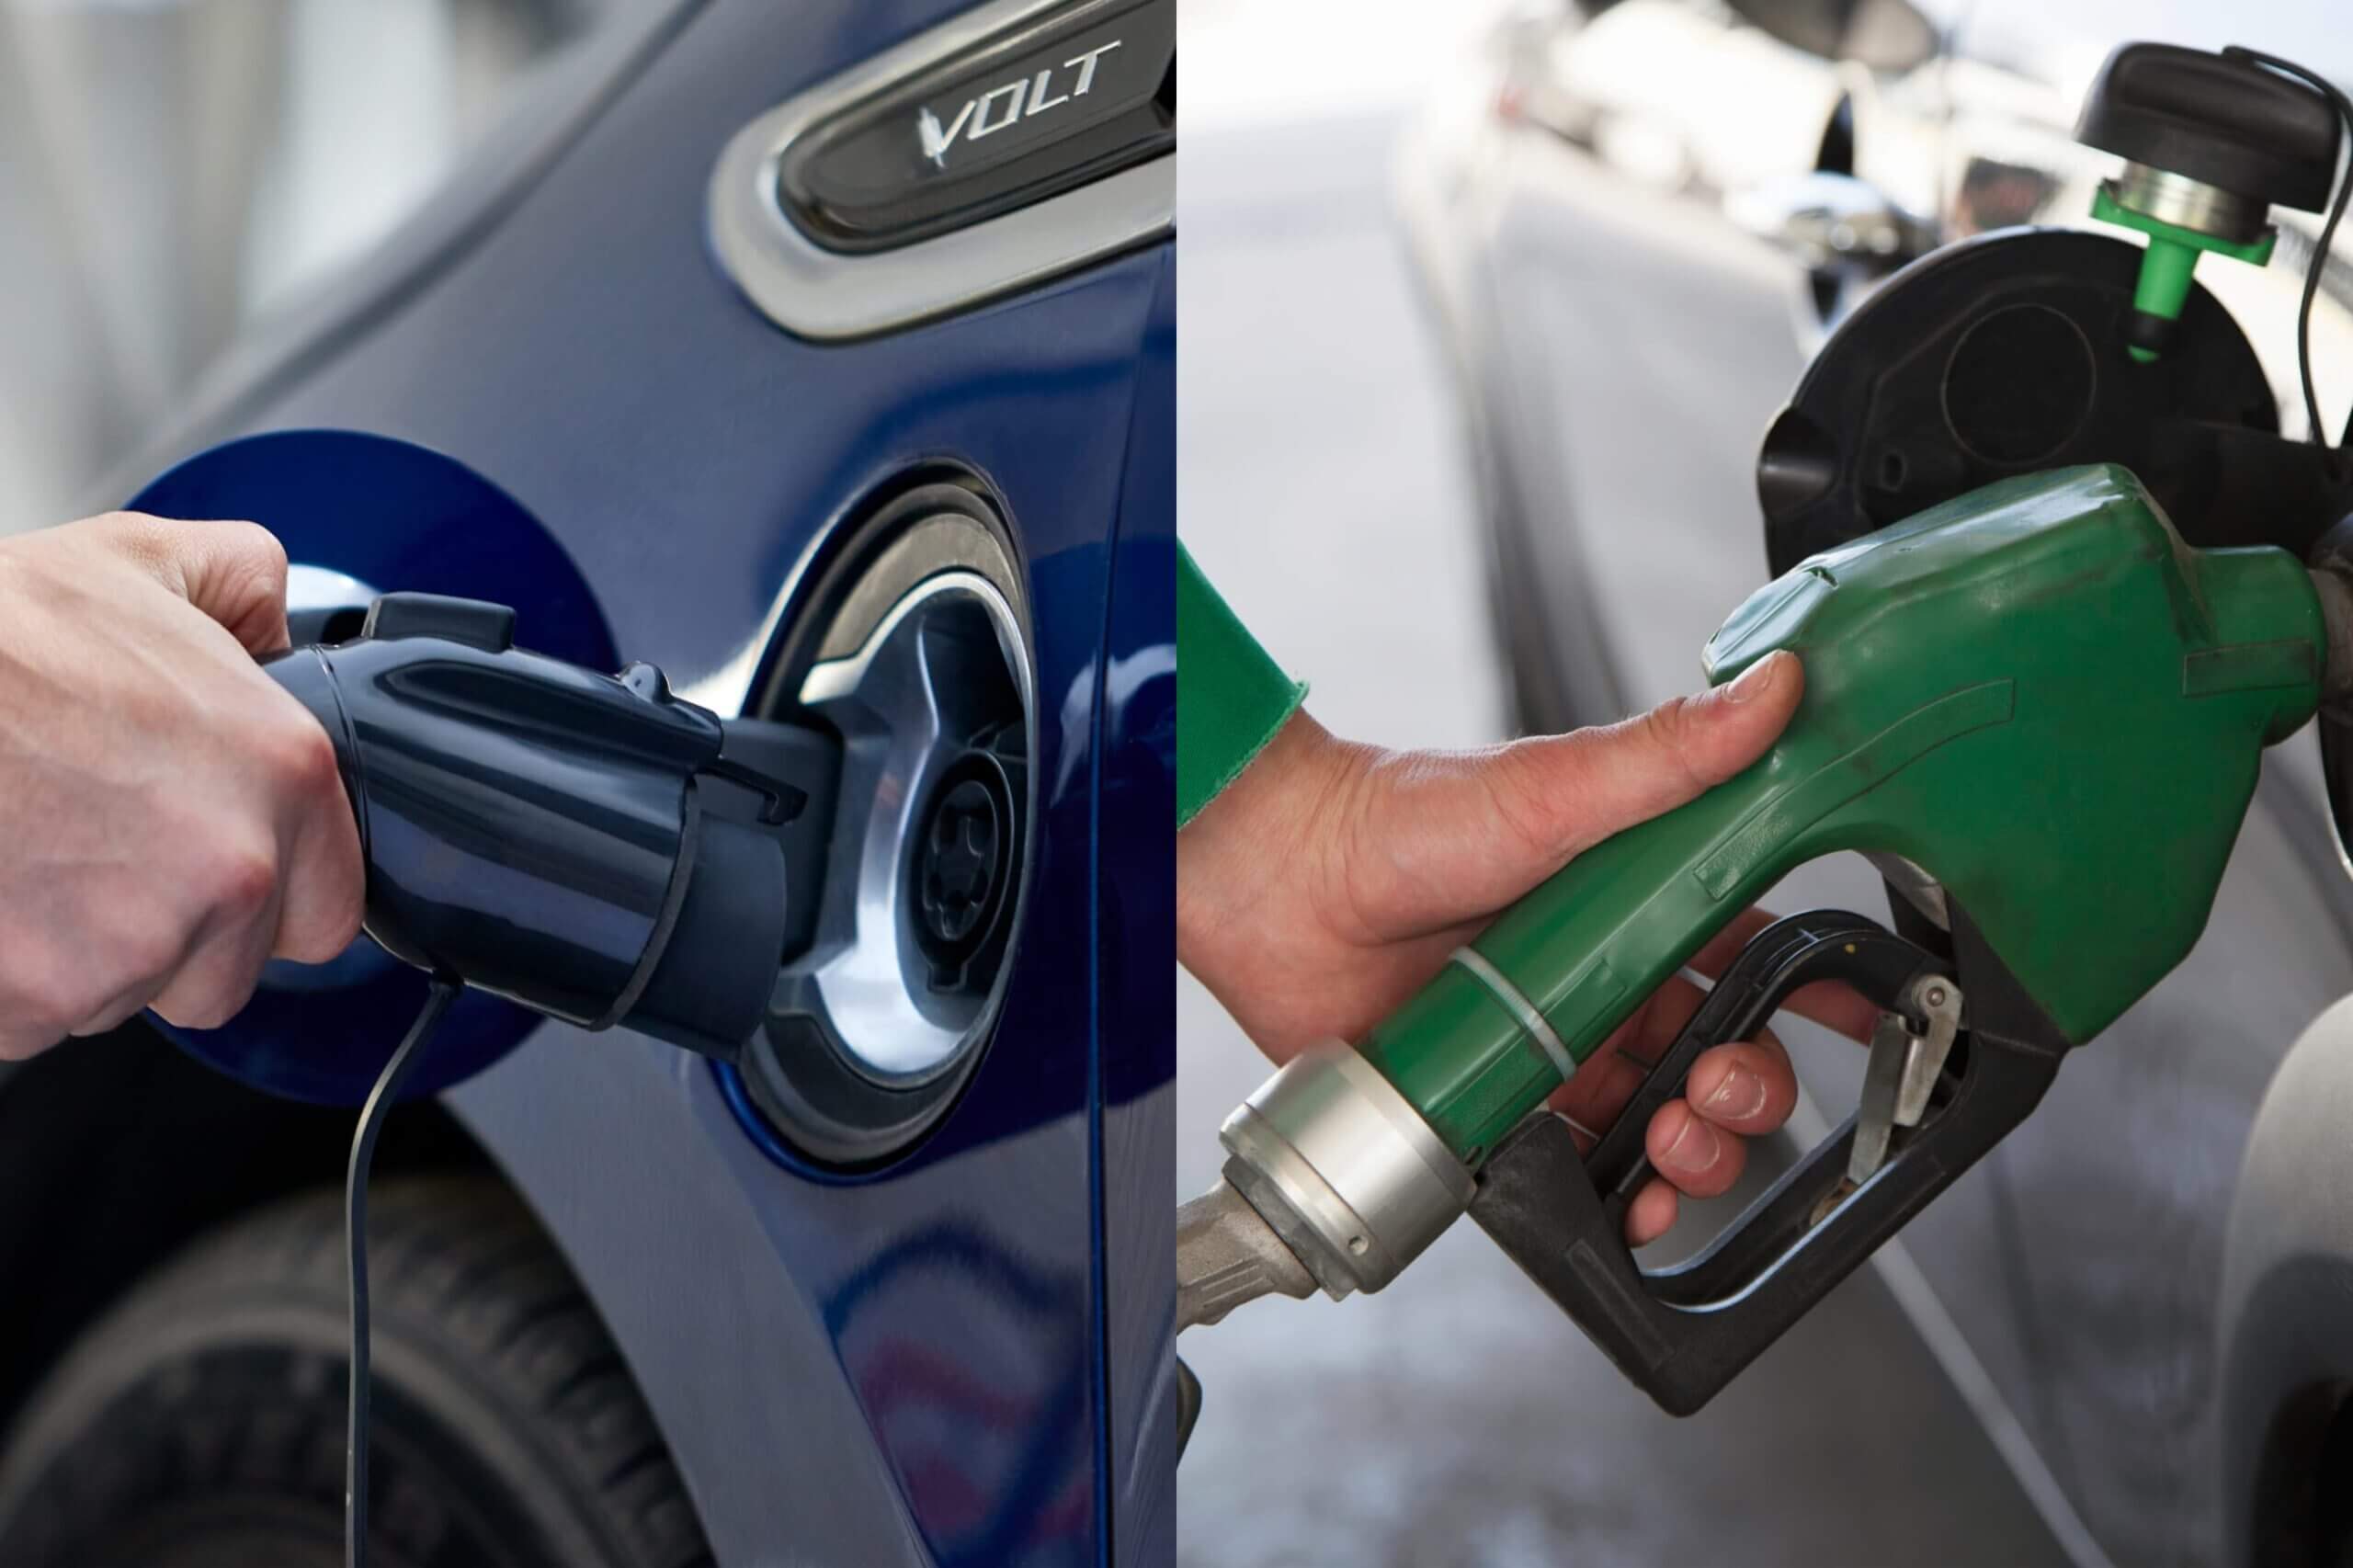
2041,714
591,847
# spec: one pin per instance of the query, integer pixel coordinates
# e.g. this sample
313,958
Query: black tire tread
460,1267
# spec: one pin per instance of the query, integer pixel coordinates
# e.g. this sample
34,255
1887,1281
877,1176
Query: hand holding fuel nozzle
2041,714
2036,707
1331,880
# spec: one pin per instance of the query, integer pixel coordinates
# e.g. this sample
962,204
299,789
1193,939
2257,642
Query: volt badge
1054,97
1002,105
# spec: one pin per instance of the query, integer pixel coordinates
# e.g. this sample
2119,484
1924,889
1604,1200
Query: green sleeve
1232,697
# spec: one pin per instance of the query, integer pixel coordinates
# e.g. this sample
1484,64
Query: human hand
1331,881
169,819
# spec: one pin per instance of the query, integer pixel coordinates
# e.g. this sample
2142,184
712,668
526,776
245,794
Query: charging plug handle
592,846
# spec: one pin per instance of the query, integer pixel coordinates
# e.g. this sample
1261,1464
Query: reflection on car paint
986,1435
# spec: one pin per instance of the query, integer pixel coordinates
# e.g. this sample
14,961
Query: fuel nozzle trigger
1936,1095
1908,1050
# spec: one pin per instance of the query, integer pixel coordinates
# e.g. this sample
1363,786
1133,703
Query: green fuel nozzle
2036,693
2035,706
2211,142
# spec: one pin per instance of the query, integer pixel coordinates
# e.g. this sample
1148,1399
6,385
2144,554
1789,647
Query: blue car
823,356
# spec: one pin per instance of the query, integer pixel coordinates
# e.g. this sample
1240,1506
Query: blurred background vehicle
1530,434
481,297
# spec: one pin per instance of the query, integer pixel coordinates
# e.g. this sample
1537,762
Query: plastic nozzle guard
591,847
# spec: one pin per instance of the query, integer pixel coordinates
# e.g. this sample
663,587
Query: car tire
200,1423
2286,1335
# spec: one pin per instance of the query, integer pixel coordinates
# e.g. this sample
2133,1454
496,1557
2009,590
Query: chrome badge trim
824,294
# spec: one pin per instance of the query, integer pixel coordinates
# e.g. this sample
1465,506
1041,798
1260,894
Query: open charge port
911,643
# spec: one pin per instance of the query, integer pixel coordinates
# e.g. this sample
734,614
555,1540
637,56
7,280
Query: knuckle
207,1009
1668,725
146,950
320,938
48,999
244,879
1526,795
140,535
301,760
210,991
1668,730
253,542
255,550
186,1010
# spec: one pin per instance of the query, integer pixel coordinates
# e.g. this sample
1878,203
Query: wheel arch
119,1152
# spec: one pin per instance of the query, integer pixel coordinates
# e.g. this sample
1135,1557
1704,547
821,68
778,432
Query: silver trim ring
820,293
2188,203
1344,1169
901,712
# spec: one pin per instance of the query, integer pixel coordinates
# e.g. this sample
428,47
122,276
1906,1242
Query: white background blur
172,169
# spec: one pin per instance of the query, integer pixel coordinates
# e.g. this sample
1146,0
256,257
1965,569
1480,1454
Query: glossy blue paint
395,515
914,1368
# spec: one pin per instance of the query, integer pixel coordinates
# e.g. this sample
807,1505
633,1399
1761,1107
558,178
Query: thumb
1583,787
1465,833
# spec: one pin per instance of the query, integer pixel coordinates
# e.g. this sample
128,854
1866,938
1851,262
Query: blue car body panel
962,1358
1135,926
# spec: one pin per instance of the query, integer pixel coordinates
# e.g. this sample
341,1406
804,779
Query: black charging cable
381,1100
2327,233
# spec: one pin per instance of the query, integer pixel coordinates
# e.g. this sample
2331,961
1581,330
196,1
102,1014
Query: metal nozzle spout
1226,1254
